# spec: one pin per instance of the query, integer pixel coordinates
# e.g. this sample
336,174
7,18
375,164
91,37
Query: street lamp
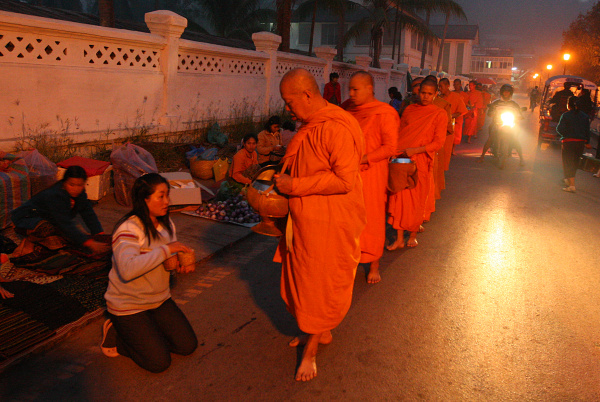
548,67
566,58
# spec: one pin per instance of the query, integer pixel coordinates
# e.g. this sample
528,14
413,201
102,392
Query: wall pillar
363,61
268,42
387,64
170,26
327,54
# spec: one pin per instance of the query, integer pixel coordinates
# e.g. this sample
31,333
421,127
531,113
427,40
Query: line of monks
336,182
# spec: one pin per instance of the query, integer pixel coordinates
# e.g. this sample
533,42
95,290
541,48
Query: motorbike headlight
508,119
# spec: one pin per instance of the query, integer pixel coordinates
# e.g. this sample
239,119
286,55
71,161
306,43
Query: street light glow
535,76
566,56
514,69
549,66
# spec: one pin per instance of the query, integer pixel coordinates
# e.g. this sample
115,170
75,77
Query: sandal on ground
108,345
569,189
596,175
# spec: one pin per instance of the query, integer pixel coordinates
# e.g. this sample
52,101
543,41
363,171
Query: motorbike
506,136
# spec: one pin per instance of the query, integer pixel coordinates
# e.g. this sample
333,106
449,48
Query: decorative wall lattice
218,65
284,66
118,56
38,49
25,48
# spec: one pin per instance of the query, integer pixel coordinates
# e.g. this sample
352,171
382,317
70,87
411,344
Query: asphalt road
499,302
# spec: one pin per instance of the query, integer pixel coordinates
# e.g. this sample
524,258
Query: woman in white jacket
145,324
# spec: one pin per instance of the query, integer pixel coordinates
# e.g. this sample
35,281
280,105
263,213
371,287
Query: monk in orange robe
457,110
438,181
487,98
422,131
379,123
475,106
459,122
320,250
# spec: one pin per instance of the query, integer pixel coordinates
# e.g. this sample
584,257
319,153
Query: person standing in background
332,92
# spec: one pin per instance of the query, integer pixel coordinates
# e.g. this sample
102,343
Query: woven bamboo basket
201,168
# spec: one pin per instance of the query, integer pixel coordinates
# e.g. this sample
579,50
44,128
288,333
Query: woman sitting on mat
49,217
144,322
243,159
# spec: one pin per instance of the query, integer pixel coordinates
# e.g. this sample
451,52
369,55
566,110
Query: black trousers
150,337
571,153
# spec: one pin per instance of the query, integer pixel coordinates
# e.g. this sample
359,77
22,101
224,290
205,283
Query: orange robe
460,121
457,106
438,181
320,250
419,126
486,98
475,102
242,160
379,123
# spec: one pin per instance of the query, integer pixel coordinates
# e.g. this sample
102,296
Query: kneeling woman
145,324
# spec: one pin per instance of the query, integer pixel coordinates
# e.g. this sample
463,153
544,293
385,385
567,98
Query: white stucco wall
105,83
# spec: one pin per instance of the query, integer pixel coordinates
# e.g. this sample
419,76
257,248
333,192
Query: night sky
534,24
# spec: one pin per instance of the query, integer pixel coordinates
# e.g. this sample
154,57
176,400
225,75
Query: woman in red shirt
243,159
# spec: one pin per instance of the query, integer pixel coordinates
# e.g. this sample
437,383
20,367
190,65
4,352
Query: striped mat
37,313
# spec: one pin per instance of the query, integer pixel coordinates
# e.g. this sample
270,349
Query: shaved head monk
438,182
458,109
422,132
320,250
475,106
458,126
379,123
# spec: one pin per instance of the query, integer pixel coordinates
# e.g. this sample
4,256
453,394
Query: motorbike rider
504,141
534,97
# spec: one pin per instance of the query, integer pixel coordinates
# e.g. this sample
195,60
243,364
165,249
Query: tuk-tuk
551,109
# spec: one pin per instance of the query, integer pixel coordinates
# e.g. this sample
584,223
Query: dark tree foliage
582,41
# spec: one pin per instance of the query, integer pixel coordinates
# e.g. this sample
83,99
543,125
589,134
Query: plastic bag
220,168
210,154
194,152
216,136
42,171
129,162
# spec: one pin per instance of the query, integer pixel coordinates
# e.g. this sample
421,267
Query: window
460,51
413,40
329,34
446,57
303,34
430,48
388,36
363,40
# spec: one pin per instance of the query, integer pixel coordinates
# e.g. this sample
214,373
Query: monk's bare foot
421,229
374,276
412,240
301,340
308,366
399,243
307,370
